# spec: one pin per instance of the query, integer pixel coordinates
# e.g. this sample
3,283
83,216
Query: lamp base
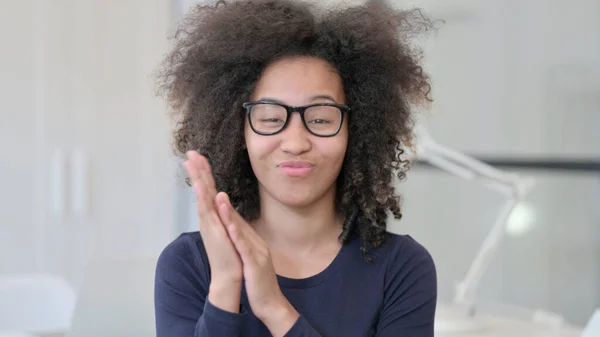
453,319
456,321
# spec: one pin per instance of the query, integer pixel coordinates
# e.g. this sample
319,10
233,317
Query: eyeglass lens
321,119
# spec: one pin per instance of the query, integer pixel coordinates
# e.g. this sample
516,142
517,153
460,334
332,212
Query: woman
292,121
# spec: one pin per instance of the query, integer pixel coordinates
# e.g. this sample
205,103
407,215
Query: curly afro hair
219,53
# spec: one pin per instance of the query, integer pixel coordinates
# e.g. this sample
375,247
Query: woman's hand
225,263
266,299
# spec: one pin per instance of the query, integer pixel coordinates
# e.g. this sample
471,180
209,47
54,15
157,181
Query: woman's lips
296,169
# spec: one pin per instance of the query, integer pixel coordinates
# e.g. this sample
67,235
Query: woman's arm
410,294
181,297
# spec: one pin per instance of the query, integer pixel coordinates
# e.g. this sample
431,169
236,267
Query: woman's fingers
249,232
240,242
234,229
203,185
207,175
245,239
204,172
222,202
198,186
192,168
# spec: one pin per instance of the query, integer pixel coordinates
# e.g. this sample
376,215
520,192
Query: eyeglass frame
344,109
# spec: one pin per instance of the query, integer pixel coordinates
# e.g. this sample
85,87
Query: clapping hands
235,253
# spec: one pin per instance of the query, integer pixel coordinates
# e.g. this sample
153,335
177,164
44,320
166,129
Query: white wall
17,138
76,79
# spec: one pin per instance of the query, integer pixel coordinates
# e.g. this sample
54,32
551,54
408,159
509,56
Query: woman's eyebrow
269,99
313,98
320,97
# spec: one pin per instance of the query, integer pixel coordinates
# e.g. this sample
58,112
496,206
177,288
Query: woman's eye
271,120
320,121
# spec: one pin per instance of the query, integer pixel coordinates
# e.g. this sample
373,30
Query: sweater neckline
314,280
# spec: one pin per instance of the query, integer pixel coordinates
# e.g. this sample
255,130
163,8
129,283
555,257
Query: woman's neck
303,230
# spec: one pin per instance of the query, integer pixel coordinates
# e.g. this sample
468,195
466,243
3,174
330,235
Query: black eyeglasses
320,119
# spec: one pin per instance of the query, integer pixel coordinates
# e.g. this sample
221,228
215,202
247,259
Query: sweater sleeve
302,329
180,295
410,293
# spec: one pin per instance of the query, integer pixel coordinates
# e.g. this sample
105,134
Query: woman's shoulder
185,253
185,245
400,245
401,254
182,279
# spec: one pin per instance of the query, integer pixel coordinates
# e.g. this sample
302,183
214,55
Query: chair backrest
35,303
116,298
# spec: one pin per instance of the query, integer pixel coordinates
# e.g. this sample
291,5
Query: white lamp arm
466,288
468,168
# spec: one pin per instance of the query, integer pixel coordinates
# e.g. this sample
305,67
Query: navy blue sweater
393,296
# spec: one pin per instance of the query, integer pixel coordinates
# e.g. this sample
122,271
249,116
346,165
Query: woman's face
294,166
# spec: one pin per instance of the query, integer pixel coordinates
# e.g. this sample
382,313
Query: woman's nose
295,138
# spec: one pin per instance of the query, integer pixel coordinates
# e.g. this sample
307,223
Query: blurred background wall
87,169
86,163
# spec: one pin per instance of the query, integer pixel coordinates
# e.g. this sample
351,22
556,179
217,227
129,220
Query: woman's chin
296,198
298,195
296,201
